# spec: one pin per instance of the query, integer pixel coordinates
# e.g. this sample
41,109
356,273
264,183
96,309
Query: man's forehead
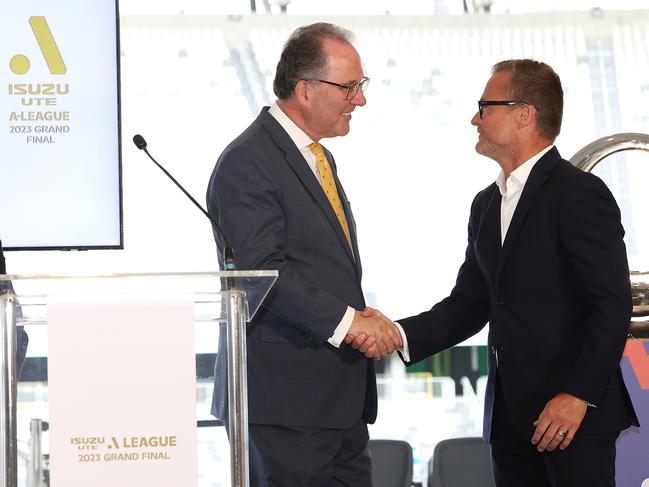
498,83
346,64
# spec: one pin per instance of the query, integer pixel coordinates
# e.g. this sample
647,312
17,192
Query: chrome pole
8,449
590,155
237,389
36,471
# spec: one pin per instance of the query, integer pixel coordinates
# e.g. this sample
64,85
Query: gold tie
329,186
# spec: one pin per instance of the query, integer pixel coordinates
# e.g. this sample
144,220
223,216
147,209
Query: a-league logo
19,64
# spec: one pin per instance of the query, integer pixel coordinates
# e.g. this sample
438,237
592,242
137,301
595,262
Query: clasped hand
373,334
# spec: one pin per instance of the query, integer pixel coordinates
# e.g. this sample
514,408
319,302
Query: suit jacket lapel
539,174
295,159
351,223
488,238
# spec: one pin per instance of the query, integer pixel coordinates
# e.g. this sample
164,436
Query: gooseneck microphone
228,253
3,266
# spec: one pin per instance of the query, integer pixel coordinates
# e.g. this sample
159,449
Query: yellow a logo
19,64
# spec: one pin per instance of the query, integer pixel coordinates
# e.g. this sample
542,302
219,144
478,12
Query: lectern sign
122,393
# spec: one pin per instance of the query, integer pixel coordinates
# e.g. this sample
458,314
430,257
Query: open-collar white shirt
511,189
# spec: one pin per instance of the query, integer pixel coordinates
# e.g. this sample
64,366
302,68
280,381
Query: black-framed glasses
487,103
352,88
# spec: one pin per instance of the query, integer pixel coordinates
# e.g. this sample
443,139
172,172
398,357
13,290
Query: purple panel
632,465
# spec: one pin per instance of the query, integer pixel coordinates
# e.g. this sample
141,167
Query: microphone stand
228,252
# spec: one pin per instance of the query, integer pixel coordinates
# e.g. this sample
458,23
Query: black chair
461,462
391,463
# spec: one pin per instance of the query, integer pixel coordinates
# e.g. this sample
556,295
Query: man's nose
359,98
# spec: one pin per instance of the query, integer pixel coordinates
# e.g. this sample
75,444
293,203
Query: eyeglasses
486,103
352,88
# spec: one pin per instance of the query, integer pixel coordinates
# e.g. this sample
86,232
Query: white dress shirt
302,141
512,188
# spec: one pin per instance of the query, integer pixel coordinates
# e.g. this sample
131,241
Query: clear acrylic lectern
219,297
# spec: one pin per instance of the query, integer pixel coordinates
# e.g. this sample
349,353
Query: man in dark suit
277,196
546,266
21,335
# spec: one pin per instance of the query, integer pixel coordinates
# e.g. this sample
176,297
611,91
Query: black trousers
313,457
589,461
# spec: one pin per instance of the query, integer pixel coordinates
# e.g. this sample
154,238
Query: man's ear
301,91
527,116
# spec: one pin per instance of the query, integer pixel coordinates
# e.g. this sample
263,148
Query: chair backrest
461,462
391,463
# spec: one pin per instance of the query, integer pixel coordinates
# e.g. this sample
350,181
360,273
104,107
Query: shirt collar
297,135
518,176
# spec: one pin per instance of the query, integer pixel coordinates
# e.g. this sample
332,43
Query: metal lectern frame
233,296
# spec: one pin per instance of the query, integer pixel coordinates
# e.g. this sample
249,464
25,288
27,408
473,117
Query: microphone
228,253
3,266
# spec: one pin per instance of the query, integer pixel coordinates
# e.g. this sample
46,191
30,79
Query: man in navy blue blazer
546,266
277,196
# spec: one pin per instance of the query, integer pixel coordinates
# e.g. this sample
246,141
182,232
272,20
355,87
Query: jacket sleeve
591,236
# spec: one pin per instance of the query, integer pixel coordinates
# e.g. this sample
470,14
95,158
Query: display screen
60,162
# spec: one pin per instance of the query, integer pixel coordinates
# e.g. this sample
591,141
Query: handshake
373,334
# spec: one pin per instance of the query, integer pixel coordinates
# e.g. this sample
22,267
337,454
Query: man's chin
343,130
483,151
